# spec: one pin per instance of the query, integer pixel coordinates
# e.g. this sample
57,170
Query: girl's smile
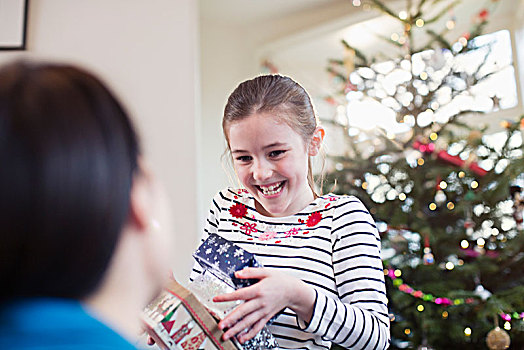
271,161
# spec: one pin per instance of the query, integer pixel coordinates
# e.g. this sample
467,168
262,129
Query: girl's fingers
252,272
240,294
243,324
257,327
238,313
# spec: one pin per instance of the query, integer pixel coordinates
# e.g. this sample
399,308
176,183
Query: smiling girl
321,254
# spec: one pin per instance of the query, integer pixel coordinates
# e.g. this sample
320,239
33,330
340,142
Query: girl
321,254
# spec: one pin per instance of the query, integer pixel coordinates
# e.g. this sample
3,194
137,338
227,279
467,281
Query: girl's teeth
271,190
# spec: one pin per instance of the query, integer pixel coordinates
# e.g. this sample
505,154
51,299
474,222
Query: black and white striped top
332,245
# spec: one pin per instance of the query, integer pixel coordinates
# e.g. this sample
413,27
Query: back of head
68,152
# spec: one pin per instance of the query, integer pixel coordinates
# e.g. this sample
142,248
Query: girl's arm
358,319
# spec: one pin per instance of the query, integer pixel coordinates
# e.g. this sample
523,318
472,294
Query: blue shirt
47,323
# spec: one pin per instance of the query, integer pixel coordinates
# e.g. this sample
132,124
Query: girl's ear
316,141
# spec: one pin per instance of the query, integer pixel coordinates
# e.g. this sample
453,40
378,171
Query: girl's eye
244,159
274,154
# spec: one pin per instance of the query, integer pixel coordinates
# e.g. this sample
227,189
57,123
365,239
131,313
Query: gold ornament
498,339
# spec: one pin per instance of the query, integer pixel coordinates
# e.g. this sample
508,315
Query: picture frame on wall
13,24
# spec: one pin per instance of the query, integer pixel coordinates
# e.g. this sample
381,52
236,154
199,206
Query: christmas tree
447,196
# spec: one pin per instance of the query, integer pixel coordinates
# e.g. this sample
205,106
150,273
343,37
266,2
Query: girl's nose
261,171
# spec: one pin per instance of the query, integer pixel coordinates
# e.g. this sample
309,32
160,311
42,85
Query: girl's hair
68,152
273,94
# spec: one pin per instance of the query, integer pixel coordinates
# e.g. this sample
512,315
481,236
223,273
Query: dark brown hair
274,94
68,152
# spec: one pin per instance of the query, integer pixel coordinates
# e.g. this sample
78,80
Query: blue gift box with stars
222,258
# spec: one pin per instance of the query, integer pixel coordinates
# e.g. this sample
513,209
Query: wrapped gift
220,259
177,320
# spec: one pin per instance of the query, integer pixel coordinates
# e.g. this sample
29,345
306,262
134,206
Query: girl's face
271,161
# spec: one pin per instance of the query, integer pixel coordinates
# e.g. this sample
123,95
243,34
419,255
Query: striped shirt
332,245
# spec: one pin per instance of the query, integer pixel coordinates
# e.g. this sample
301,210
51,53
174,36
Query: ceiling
238,12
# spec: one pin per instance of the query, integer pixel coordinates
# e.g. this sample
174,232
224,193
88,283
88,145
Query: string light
402,15
450,266
423,75
507,325
420,308
419,22
481,242
407,331
467,332
450,24
395,37
402,197
420,161
474,184
433,136
450,205
356,3
461,174
463,41
443,185
432,206
445,314
464,244
398,273
365,185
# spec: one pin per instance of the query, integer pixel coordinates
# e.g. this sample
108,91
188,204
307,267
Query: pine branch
443,12
382,7
439,38
358,53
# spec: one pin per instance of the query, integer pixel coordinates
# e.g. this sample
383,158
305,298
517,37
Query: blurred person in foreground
84,230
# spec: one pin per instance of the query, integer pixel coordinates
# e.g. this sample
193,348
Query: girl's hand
274,292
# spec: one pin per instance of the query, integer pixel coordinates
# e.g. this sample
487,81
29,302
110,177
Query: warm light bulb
464,244
420,161
365,185
407,331
443,184
398,273
467,331
450,24
450,266
432,206
450,205
395,37
419,22
423,75
445,314
507,325
481,242
356,3
402,197
461,174
420,308
402,15
474,184
433,137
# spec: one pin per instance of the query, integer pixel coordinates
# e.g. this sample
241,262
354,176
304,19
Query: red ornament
313,219
483,15
238,210
456,160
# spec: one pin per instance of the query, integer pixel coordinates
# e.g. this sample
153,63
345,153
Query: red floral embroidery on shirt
313,219
267,235
249,228
238,210
292,232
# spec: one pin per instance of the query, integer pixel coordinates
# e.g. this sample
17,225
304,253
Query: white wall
148,53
